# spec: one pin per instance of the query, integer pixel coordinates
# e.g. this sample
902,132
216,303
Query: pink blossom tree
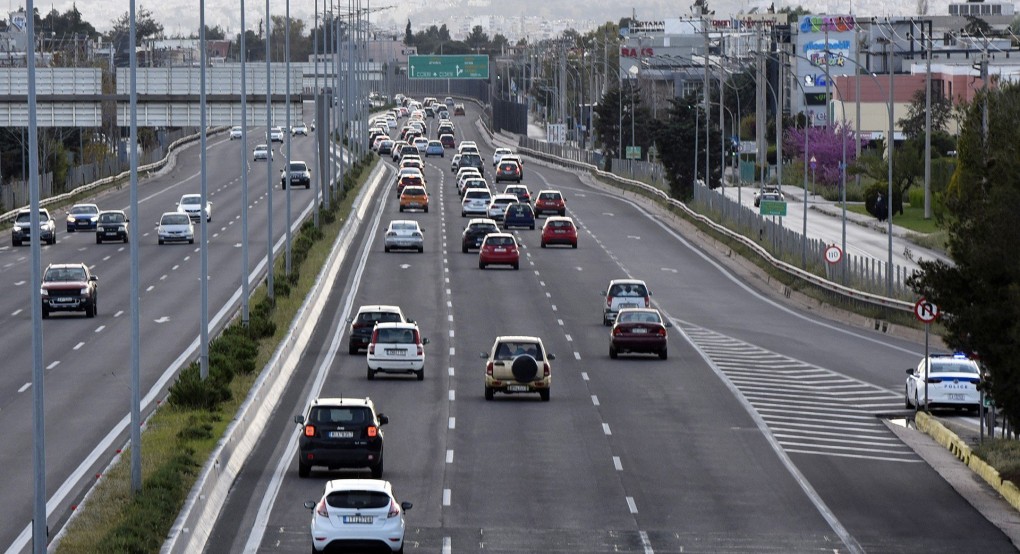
826,145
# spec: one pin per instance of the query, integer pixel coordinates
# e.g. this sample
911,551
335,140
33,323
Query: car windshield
25,217
298,167
628,289
358,500
112,218
512,349
175,219
191,200
84,210
65,274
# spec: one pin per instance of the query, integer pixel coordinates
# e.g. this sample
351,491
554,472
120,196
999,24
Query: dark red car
499,249
639,330
550,201
448,141
559,230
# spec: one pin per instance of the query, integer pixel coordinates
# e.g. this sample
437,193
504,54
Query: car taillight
373,431
321,508
617,331
609,301
488,368
309,430
545,371
647,302
662,331
394,509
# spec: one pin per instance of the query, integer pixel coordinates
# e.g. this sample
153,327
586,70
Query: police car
952,383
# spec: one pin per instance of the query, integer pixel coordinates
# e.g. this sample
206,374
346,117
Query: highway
760,433
87,377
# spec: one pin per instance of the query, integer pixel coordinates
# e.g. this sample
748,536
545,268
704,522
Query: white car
299,129
421,143
952,383
175,227
397,348
466,144
455,163
276,134
360,512
262,152
235,132
500,152
498,205
191,204
475,202
404,234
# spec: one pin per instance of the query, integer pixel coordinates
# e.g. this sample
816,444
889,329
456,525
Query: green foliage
980,292
191,391
679,141
941,114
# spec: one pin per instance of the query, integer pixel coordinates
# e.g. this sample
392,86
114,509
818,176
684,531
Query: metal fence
563,151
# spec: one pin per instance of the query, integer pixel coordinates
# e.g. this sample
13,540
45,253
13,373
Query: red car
550,201
559,230
639,330
448,141
500,249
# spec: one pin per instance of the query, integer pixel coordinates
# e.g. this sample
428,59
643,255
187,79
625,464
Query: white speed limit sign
833,254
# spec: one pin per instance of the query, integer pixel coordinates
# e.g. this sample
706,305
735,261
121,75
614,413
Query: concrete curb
942,435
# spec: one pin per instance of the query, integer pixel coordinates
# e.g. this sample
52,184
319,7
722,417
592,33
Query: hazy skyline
180,17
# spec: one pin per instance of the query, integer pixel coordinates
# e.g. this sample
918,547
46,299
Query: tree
680,140
145,27
477,38
408,35
825,145
941,114
215,33
979,294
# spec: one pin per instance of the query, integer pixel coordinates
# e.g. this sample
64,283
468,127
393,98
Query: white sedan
952,383
262,152
404,234
358,511
498,155
175,227
235,132
191,204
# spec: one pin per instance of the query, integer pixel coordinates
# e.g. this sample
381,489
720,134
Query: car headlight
70,218
44,292
83,291
17,228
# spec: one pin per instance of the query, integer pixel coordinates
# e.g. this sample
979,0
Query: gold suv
518,364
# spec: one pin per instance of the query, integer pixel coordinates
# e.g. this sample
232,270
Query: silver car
262,152
175,227
404,234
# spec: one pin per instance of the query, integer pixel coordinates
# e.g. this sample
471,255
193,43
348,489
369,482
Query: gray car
404,234
175,227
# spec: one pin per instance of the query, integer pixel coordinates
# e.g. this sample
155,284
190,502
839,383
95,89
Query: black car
471,159
364,322
113,225
474,233
341,433
519,215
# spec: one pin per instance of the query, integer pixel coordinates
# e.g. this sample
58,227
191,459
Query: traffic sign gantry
448,67
925,311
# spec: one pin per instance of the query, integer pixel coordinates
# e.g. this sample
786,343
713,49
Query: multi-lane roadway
761,432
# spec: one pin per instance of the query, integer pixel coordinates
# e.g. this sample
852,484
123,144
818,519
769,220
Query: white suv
357,513
476,202
396,348
518,364
624,293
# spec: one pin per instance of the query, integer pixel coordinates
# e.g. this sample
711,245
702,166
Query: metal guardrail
9,216
815,280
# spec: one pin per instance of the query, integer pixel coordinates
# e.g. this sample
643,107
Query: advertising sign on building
556,133
824,43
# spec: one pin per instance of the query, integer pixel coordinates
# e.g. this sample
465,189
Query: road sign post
926,312
448,67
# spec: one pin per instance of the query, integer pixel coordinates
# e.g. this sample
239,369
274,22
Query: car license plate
111,233
358,519
957,397
517,388
501,250
396,351
341,434
639,330
559,232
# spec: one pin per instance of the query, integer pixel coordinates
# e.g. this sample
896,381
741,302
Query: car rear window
639,317
358,500
485,228
509,350
549,196
628,290
396,336
378,317
518,209
340,415
499,241
561,224
953,367
476,194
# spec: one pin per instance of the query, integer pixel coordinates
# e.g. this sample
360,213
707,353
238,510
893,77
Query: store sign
827,23
835,53
631,52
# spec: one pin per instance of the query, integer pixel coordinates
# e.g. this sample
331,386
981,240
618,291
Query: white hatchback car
500,152
357,513
261,152
191,204
498,205
952,383
175,227
235,132
476,202
396,348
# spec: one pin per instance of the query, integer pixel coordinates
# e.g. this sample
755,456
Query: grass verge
183,432
1003,455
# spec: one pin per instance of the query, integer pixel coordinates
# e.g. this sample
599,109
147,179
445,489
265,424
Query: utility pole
927,125
762,161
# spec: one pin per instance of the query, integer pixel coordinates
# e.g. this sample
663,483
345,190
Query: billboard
824,43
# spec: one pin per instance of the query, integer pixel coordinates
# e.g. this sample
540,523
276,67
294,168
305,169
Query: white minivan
396,347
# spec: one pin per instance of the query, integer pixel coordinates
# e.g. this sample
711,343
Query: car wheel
489,393
191,241
421,249
426,209
606,322
161,241
544,394
90,309
464,249
386,248
308,186
543,244
663,354
15,242
370,374
401,209
517,266
563,212
481,265
612,352
45,313
531,227
54,239
906,401
283,185
352,350
420,374
573,245
99,239
377,469
463,214
303,471
125,239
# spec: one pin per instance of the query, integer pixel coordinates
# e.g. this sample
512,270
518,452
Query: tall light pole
245,287
269,167
288,130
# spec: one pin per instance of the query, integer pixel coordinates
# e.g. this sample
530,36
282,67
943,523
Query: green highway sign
448,67
633,152
772,207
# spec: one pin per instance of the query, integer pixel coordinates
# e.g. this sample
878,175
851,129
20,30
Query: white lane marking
119,313
449,456
19,283
186,258
163,319
78,346
163,277
100,328
569,339
548,295
554,307
542,283
577,355
451,333
449,317
448,292
617,463
452,395
53,364
150,288
453,423
174,268
560,322
631,505
453,351
605,429
669,269
595,400
16,312
446,497
450,371
105,258
536,273
447,546
25,387
449,304
646,543
584,375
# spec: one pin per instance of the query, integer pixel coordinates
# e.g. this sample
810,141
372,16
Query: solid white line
453,423
584,375
446,497
453,395
449,456
25,387
450,371
78,346
53,365
646,543
447,546
631,505
617,463
594,400
605,429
